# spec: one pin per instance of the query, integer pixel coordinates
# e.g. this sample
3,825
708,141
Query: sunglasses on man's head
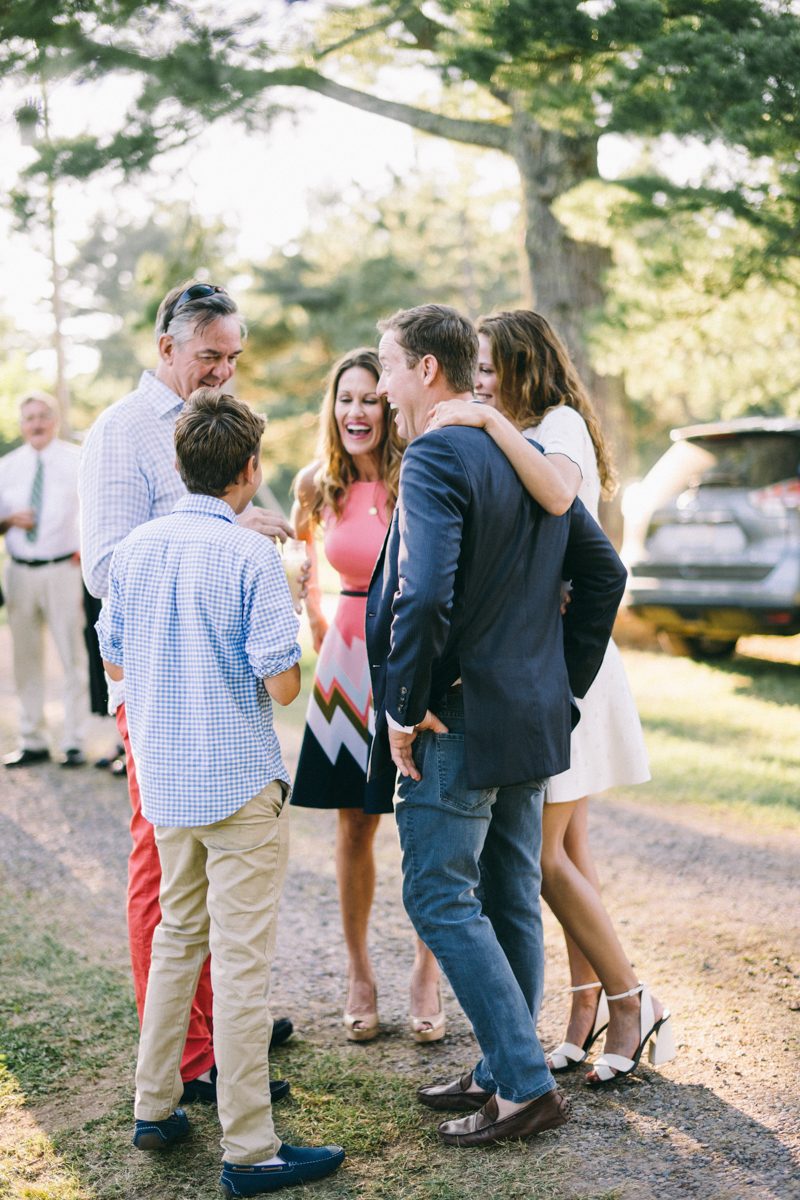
196,292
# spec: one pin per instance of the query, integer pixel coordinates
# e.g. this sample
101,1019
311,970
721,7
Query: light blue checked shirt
198,613
127,473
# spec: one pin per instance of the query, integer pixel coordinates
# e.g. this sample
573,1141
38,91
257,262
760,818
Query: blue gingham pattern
127,473
198,613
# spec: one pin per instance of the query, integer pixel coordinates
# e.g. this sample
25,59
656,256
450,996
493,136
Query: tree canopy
724,70
540,80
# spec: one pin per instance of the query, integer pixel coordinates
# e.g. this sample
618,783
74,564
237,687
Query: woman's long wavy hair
338,470
535,374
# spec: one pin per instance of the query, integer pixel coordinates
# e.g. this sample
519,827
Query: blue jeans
471,881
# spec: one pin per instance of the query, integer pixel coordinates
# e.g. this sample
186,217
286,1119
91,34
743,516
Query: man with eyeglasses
128,477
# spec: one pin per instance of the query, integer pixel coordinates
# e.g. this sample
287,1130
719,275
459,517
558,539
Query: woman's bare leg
424,983
572,889
581,971
355,875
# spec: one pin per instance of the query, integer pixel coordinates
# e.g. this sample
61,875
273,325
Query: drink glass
294,555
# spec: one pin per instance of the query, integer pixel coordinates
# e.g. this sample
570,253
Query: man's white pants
51,595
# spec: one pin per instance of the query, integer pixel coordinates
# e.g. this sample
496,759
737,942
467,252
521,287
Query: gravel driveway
708,911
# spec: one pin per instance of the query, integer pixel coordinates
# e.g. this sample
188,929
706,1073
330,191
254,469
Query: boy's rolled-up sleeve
270,622
110,625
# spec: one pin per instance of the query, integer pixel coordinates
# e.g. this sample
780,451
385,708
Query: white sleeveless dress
608,748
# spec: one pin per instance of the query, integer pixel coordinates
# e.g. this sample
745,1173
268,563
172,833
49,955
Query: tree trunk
567,276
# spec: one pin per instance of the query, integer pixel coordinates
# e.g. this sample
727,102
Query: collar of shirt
46,453
161,398
207,506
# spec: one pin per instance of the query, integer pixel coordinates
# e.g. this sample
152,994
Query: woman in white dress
531,392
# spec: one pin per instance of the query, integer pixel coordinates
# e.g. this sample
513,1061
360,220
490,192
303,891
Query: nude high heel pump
610,1067
437,1023
360,1028
568,1056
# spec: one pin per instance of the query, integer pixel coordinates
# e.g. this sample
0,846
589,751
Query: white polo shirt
58,533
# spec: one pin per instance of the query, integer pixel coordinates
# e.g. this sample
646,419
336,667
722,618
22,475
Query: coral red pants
144,913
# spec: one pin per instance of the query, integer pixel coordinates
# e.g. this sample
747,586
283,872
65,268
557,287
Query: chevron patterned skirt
332,771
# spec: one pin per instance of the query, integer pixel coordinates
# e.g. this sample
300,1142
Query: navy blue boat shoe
301,1165
281,1030
206,1093
155,1135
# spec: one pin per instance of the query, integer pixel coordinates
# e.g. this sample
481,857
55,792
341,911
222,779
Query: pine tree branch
357,36
234,86
474,133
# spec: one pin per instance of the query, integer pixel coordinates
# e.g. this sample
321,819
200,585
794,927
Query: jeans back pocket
451,763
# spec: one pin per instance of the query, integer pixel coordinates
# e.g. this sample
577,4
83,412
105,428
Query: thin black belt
40,562
347,593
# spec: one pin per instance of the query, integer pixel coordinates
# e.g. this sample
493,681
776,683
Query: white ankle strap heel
662,1046
567,1056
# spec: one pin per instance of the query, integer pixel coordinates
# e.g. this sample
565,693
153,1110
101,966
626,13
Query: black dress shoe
281,1030
25,758
206,1093
73,758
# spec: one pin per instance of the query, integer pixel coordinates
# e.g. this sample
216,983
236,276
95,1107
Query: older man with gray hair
128,477
39,516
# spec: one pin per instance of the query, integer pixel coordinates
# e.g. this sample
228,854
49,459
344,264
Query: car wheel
701,648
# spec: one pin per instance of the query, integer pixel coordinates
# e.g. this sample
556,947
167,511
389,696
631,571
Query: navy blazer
468,584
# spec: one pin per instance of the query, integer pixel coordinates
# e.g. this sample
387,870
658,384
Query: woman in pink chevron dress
350,492
333,761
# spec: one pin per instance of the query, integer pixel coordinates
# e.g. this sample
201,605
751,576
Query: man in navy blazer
473,674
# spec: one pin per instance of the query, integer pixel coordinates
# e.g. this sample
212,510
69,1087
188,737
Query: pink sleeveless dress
332,769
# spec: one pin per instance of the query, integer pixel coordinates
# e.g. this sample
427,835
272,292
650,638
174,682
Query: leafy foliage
695,340
361,259
541,79
124,269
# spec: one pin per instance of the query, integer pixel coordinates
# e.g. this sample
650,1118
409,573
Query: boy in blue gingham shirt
199,620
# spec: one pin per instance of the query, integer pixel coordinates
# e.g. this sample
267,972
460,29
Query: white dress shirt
58,530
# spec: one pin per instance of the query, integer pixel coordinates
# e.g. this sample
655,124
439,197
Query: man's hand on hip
271,524
400,744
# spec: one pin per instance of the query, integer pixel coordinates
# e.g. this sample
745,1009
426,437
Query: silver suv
712,535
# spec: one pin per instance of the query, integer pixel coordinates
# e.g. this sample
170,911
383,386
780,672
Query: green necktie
36,499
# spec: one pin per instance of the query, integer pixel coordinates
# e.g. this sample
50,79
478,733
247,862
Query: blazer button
403,691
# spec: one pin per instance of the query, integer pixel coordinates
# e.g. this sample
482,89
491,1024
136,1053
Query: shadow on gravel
702,1145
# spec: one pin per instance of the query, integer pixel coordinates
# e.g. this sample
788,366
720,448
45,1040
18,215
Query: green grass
725,736
59,1014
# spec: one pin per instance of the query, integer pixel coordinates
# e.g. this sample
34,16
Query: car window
751,460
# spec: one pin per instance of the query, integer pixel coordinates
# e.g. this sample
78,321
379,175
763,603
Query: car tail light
778,618
773,501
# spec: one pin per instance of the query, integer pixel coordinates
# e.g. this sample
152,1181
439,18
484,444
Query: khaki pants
220,887
51,595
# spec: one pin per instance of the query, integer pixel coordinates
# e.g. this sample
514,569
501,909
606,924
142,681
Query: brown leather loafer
484,1128
455,1098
